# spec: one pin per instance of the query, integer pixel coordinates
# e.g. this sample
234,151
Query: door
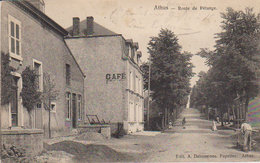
14,103
38,116
74,111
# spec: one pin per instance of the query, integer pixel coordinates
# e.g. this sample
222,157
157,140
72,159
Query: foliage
233,64
171,70
7,81
145,69
30,92
49,92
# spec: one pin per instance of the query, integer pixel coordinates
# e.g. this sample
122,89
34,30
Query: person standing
214,127
246,130
183,122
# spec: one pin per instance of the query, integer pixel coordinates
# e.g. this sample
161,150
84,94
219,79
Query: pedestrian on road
246,130
183,122
214,127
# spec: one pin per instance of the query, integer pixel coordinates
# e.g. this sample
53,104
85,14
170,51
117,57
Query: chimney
90,25
39,4
76,27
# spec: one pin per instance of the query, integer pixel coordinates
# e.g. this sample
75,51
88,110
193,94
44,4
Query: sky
141,19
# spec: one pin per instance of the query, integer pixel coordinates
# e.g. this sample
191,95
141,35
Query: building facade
114,83
32,39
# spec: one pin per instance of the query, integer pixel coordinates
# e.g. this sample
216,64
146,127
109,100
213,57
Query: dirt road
197,142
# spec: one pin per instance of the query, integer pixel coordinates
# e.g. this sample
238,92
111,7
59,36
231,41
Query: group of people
246,131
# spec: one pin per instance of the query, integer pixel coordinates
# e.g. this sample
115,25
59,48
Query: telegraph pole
149,87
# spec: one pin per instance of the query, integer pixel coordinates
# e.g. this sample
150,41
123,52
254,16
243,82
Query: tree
145,69
234,62
171,71
49,95
30,92
7,80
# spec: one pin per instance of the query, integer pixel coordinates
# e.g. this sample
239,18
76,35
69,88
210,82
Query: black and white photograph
129,81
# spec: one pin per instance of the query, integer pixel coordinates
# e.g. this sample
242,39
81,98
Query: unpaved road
197,142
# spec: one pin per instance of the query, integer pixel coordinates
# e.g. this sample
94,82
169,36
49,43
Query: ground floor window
68,101
136,113
140,114
131,112
80,112
14,102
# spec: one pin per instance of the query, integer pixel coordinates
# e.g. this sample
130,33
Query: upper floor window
14,28
131,81
140,87
68,74
37,66
136,84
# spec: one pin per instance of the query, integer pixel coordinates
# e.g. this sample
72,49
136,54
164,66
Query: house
33,39
114,82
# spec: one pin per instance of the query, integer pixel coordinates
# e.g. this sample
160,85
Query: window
37,66
136,113
68,74
38,105
131,112
129,51
140,114
140,87
68,101
14,102
132,53
130,81
136,84
53,107
14,38
80,113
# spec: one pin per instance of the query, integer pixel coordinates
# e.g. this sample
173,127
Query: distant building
33,39
114,83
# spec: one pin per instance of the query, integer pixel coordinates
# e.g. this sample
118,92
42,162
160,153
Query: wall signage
114,77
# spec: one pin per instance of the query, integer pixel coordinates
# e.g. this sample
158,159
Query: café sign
115,77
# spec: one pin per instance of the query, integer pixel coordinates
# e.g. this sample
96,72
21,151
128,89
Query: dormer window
132,53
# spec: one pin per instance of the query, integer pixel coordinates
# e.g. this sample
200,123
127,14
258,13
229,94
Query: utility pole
149,87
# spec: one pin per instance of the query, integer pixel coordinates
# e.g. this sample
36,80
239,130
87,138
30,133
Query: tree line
233,75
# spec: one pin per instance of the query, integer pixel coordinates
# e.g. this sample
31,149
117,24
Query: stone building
33,39
113,83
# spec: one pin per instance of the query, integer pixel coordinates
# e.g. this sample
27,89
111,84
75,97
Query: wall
99,56
30,140
43,44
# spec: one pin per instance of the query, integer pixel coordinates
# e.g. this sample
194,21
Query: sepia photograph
129,81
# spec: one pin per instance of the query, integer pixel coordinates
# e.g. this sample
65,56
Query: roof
40,16
99,30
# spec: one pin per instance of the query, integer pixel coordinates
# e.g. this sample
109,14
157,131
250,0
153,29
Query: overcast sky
137,19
